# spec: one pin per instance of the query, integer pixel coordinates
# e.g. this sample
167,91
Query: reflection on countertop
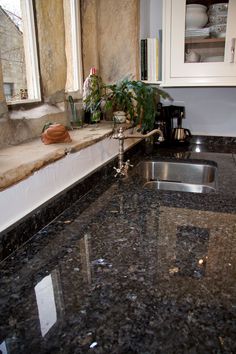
136,271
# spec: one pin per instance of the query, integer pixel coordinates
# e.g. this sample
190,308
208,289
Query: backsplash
213,140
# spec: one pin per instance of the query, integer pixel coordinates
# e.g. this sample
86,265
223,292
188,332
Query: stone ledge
23,125
19,162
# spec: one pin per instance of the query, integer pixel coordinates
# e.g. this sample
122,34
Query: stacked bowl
217,15
196,16
196,19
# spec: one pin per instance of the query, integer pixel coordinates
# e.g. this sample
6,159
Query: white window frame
74,65
31,55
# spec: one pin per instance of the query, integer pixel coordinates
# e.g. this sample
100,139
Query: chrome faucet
123,167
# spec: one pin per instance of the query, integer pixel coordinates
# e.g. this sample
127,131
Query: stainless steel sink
192,177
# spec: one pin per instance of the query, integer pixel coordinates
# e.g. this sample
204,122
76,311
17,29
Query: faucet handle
128,164
119,172
126,167
161,138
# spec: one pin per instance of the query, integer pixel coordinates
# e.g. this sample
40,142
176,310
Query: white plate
219,8
210,59
196,37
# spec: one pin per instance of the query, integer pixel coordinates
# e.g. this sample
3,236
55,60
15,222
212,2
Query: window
8,90
73,46
18,51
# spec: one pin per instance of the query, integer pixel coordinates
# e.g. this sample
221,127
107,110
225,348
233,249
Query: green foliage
137,99
46,126
94,93
119,97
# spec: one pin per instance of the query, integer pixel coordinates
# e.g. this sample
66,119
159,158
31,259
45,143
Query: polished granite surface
129,270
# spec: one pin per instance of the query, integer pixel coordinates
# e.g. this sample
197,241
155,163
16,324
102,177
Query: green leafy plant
119,97
93,93
137,99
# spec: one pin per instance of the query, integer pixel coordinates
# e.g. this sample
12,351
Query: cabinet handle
232,50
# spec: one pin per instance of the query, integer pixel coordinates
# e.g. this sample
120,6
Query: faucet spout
151,133
121,136
122,169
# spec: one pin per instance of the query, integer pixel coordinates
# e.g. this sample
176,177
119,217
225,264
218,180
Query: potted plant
119,98
137,99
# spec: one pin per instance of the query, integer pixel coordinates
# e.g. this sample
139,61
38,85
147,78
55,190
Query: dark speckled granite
19,233
213,140
127,270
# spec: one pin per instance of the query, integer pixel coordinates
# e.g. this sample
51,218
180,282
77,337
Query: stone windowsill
20,161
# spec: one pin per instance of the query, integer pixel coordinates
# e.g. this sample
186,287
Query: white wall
150,18
144,18
155,17
209,110
54,178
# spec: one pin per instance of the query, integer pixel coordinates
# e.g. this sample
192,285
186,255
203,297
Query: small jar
119,116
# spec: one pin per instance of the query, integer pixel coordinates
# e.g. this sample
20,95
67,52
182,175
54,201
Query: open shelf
204,40
152,82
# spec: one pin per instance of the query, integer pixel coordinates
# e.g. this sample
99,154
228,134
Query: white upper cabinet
199,44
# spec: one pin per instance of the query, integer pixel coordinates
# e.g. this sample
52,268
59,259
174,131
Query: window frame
31,55
74,66
6,86
74,83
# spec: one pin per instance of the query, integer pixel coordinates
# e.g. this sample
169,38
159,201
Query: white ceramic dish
197,33
219,8
211,59
218,31
217,13
196,6
218,19
191,56
196,16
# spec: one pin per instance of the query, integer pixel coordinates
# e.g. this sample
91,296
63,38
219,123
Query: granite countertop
128,270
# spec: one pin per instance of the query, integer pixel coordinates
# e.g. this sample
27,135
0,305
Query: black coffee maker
169,120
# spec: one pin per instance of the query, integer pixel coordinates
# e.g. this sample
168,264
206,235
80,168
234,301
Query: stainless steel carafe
180,134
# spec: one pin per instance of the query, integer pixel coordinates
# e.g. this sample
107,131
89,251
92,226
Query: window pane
73,45
12,49
8,90
18,50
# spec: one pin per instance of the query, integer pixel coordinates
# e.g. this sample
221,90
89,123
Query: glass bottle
92,97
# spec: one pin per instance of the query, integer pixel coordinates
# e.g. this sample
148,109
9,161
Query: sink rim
206,179
183,187
201,162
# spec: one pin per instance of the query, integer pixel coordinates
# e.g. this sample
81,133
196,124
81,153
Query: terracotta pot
55,133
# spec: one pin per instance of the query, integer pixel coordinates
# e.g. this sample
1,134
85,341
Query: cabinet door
193,56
